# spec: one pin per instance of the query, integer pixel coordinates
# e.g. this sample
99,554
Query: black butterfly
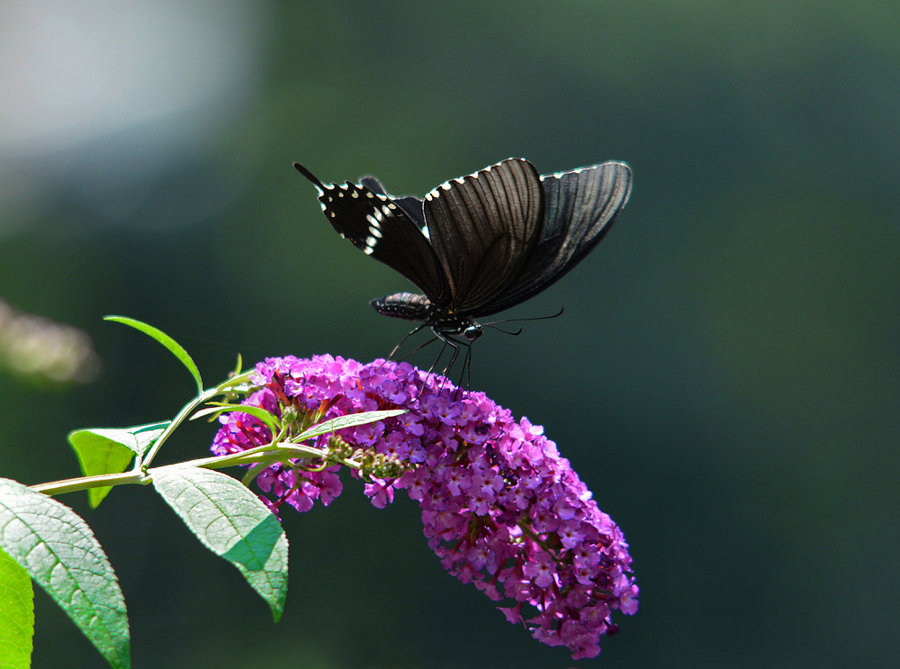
478,244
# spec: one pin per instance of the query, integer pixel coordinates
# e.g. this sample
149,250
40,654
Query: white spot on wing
477,173
577,170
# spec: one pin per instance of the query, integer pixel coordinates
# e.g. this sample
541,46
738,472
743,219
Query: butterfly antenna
493,324
309,175
494,327
522,320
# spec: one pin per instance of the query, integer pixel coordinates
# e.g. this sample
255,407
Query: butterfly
478,244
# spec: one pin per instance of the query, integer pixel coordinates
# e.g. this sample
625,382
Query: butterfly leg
403,341
466,370
418,348
457,345
440,355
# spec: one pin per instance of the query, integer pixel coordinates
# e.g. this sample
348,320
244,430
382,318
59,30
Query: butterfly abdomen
408,306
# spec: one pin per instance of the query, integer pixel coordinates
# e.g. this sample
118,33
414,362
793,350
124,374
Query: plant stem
269,454
86,482
186,411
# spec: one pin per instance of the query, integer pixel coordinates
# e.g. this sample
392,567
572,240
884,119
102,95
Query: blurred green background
725,377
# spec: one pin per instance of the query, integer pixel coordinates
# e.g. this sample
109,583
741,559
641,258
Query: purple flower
500,507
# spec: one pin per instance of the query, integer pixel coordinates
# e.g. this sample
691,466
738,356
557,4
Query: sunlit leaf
110,451
267,418
173,346
233,523
351,420
16,614
59,551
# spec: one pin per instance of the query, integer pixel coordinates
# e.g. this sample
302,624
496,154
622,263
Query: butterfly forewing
579,208
376,223
483,228
411,205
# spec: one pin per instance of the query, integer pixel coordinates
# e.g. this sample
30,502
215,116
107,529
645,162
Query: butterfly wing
483,228
377,224
411,205
580,206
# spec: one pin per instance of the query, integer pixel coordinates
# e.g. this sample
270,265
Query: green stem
269,454
86,482
185,412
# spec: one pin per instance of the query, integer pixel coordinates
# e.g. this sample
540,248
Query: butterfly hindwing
411,205
376,223
483,228
580,206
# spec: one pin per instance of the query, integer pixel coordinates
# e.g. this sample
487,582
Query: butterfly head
473,331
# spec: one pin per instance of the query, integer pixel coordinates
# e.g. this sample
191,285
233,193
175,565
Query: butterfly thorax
415,307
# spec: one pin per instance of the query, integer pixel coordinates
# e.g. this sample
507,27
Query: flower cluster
501,508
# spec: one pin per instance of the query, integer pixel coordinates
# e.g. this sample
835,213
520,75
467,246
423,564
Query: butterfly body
415,307
478,244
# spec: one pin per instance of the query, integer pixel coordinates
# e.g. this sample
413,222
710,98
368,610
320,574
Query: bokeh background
725,377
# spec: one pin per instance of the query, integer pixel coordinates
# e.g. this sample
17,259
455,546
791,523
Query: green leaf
350,420
233,523
59,551
267,418
145,435
16,614
110,450
173,346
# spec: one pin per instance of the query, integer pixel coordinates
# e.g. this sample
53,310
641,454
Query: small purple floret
501,508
